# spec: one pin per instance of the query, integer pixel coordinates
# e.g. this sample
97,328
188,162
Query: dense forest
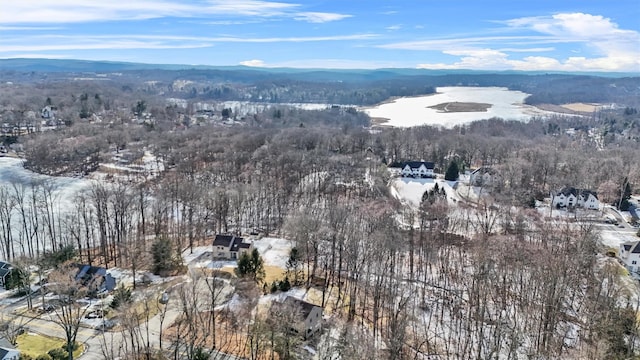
490,279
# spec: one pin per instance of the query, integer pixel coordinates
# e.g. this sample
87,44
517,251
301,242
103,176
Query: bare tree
69,312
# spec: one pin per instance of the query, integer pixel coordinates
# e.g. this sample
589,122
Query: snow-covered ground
202,257
274,251
612,237
148,165
410,190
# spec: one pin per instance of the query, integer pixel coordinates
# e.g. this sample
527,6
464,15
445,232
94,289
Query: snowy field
415,111
274,252
410,190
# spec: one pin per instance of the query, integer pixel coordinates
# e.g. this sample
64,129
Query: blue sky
568,35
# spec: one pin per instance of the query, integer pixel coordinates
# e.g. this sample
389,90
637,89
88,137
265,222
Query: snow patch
274,251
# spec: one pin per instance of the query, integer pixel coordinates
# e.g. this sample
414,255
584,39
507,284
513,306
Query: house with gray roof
95,278
311,316
8,351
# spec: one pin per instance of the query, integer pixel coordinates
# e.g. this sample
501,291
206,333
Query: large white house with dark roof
572,197
422,169
630,256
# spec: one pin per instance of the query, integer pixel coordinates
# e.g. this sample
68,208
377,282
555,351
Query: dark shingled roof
304,306
635,247
568,190
5,268
231,241
223,240
88,274
412,164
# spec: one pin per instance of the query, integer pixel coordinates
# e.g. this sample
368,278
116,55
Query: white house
421,169
311,316
230,247
484,176
48,112
572,197
630,256
8,351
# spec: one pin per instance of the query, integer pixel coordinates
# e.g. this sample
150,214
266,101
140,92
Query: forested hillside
497,276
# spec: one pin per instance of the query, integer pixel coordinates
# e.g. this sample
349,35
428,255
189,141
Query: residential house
484,176
8,351
96,278
572,197
48,112
5,271
630,256
311,316
229,247
422,169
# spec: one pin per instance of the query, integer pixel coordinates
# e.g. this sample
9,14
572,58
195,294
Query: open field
581,107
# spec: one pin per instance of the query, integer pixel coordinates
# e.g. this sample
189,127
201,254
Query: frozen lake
64,189
17,187
415,111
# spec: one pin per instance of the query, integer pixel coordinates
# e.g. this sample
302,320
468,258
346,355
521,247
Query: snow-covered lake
64,188
415,111
18,183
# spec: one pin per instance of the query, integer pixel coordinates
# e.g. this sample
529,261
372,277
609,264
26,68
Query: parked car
45,308
96,314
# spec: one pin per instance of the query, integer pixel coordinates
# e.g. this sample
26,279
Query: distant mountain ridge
83,66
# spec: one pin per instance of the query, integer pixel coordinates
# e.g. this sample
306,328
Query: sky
542,35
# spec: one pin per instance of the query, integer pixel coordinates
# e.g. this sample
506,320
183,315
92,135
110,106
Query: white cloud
37,56
393,27
523,50
606,47
42,43
334,64
319,17
78,11
253,63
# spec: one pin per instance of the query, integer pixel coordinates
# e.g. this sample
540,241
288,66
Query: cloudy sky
568,35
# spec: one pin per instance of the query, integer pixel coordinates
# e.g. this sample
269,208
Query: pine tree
251,265
452,172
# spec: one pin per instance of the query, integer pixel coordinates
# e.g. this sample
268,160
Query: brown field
581,107
453,107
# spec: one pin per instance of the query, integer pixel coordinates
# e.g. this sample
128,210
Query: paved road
95,340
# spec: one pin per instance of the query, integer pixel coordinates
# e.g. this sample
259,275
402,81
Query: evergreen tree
251,265
294,267
625,195
452,172
284,284
164,257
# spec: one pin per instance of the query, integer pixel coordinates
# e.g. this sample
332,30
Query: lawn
35,345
